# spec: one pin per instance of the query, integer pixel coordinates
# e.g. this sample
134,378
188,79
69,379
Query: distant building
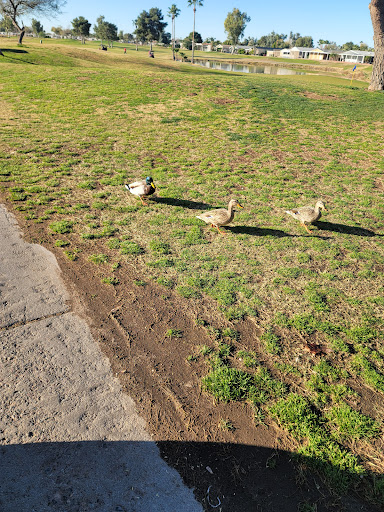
266,50
357,56
225,48
204,47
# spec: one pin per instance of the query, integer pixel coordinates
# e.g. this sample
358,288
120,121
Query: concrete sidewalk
70,438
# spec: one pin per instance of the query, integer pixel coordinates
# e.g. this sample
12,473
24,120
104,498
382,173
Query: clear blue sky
336,20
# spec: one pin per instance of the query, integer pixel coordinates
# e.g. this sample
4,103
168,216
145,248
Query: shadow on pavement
123,476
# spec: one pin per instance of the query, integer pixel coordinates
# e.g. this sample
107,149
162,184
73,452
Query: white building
356,56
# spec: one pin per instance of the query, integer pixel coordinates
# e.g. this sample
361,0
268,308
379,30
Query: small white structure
285,53
356,56
239,48
225,48
204,47
301,52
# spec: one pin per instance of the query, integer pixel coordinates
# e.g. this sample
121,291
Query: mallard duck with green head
143,188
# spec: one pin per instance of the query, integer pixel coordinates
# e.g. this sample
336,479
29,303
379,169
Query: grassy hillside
78,123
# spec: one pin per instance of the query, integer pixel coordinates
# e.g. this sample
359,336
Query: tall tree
57,30
273,40
6,25
37,27
376,8
81,28
150,25
173,13
14,9
105,30
194,3
187,41
304,41
234,24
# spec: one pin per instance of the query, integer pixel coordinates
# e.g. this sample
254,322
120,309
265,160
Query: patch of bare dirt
223,101
325,97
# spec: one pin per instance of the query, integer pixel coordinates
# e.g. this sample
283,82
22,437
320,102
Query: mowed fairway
78,123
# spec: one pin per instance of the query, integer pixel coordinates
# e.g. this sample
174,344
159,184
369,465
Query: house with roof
331,54
301,52
357,56
298,52
204,47
225,48
280,52
263,50
239,48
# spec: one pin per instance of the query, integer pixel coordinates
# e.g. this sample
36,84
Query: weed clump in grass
225,350
228,332
98,258
71,255
351,424
188,292
165,281
205,350
128,247
369,373
158,247
89,185
296,415
161,263
114,243
227,384
174,333
249,359
316,298
226,425
271,342
111,280
61,243
61,226
18,196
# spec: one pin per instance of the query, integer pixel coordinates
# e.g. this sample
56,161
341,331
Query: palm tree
173,13
194,3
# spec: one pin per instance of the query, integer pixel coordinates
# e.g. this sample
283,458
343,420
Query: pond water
246,68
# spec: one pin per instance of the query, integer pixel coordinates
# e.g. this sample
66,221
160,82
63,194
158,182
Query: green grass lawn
77,123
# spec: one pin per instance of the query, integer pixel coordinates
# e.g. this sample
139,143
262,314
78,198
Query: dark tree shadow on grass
5,51
12,50
184,203
342,228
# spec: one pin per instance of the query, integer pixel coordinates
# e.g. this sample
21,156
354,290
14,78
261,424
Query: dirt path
71,440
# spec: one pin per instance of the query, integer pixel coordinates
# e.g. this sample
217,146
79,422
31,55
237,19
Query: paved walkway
70,439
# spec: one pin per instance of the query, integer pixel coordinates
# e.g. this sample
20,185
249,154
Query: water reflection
246,68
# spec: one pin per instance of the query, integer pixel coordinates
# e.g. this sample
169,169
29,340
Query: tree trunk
21,35
173,37
21,30
193,34
376,8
